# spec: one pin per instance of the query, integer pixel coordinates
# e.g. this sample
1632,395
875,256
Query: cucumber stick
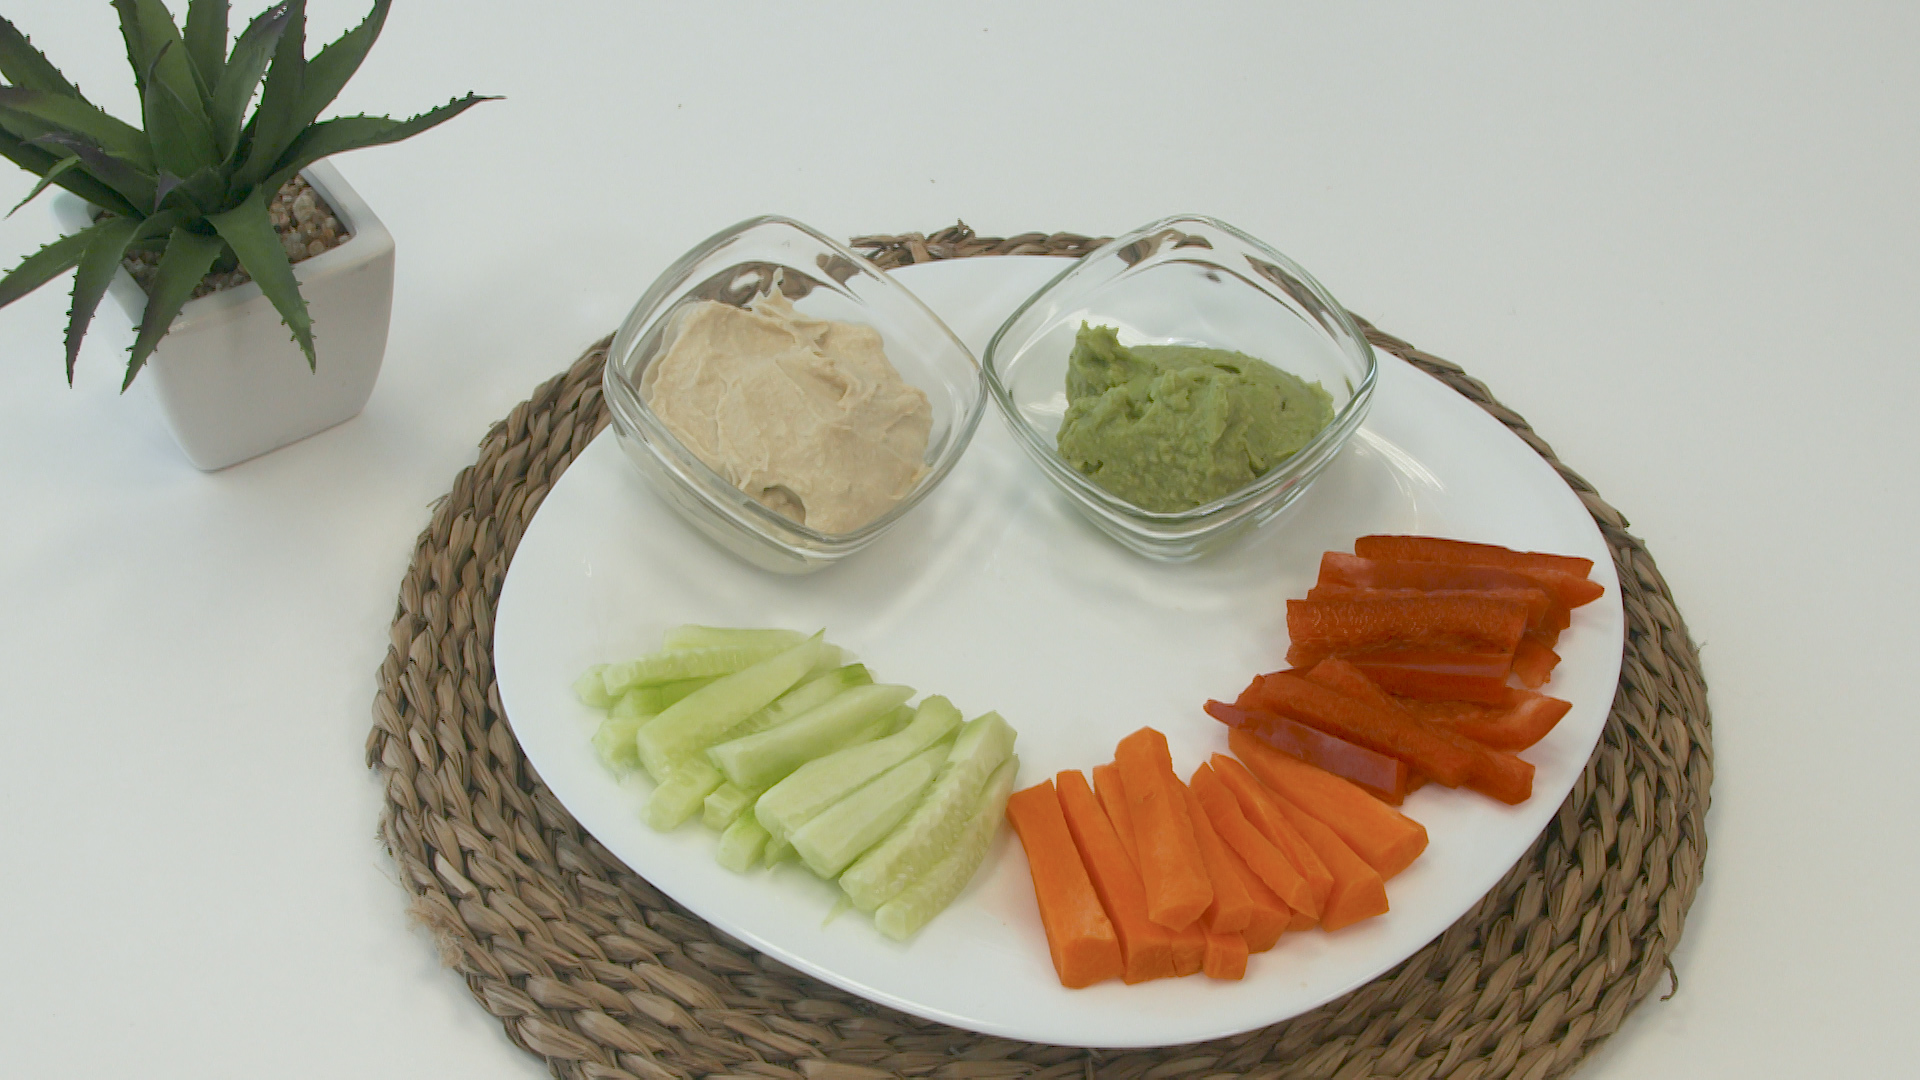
680,797
613,740
689,725
676,664
741,845
826,780
763,759
730,800
702,637
839,834
936,824
653,700
903,916
591,688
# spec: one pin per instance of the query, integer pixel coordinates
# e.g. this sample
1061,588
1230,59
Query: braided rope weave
602,976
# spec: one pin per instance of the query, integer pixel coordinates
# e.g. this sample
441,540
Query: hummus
1172,427
807,416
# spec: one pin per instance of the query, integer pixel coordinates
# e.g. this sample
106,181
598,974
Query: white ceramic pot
230,379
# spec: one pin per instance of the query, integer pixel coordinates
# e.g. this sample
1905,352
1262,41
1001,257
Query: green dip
1172,427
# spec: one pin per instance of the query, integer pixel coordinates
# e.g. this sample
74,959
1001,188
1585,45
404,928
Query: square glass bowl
1182,281
824,280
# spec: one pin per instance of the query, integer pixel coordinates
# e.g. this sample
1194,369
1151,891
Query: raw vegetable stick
1380,774
1568,590
1523,719
1170,867
1113,796
1435,549
690,725
1387,839
1190,949
1438,674
1232,907
1265,860
1226,955
929,894
1082,940
1145,945
1263,815
1271,915
1533,662
1358,890
1322,628
1538,602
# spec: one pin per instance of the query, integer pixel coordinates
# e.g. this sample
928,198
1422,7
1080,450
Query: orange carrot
1226,955
1083,943
1190,949
1257,804
1434,549
1232,908
1146,947
1271,915
1387,839
1170,867
1358,890
1113,796
1265,860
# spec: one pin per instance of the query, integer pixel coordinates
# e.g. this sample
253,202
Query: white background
1683,242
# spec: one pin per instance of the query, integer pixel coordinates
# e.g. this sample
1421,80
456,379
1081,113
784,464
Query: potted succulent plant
252,344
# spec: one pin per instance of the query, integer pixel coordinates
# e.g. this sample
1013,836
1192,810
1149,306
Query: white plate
996,594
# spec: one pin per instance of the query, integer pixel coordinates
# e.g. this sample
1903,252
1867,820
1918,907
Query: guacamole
1172,427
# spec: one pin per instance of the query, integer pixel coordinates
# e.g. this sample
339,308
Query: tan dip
805,415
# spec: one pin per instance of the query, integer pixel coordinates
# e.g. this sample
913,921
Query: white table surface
1681,242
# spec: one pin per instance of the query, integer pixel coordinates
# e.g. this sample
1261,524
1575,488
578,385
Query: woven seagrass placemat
591,968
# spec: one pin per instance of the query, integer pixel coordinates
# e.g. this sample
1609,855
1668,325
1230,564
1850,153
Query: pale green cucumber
809,695
826,780
765,758
839,834
675,664
689,725
778,851
591,688
929,833
706,637
613,740
903,916
741,845
730,800
653,700
676,800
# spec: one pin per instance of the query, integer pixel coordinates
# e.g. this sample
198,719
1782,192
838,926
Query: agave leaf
44,265
242,75
201,194
40,161
332,66
250,233
344,133
46,181
106,246
206,37
24,65
176,124
29,113
132,185
151,34
274,123
188,257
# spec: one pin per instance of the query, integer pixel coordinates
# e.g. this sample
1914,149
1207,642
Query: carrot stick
1388,840
1358,890
1265,860
1232,908
1434,549
1177,886
1271,915
1256,802
1190,949
1146,947
1380,774
1083,943
1113,796
1226,955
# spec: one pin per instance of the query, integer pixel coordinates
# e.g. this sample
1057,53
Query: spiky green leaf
106,246
331,67
188,257
250,233
44,265
40,161
134,186
46,181
343,133
24,65
276,122
176,124
241,76
31,113
206,37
